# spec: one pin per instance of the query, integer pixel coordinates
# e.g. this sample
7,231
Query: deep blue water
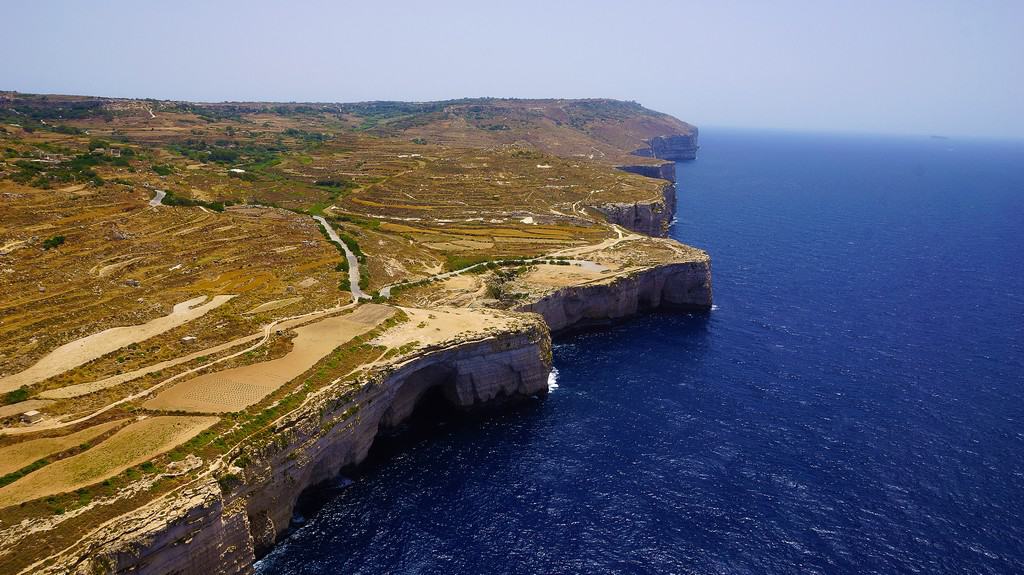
855,404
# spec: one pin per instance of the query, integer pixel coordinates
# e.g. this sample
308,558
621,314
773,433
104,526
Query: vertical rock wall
651,217
676,147
677,285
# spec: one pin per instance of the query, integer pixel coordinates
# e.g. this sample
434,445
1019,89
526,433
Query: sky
898,66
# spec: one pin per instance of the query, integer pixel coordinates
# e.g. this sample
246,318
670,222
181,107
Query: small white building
188,339
31,417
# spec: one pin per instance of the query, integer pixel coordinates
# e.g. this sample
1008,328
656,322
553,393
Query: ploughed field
167,295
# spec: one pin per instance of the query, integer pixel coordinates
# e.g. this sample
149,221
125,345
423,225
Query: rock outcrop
220,526
683,285
675,147
651,217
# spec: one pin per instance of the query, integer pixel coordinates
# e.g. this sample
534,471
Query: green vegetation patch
172,199
50,243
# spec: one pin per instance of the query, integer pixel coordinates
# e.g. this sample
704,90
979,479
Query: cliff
665,171
675,147
650,217
680,285
222,525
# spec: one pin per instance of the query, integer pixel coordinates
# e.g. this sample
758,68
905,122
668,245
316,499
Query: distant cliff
677,147
653,217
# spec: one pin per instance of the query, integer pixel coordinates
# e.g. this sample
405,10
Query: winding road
353,262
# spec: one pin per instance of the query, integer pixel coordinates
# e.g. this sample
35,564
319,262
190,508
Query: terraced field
238,388
16,456
75,353
136,443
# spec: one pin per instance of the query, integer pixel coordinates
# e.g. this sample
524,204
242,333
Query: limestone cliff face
195,531
666,171
651,217
684,285
675,147
221,527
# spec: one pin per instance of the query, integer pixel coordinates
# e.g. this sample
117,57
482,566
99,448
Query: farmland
135,444
238,388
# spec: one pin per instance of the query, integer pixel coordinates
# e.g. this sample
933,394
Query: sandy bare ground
86,349
561,276
14,457
135,444
436,325
111,268
22,407
10,247
237,388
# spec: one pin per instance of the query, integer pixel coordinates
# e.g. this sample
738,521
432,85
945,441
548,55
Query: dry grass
81,389
53,297
421,187
135,444
14,457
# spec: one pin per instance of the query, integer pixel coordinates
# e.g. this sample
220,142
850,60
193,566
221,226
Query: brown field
172,253
14,457
237,388
81,389
135,444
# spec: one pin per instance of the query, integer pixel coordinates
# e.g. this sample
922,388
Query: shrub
63,129
53,242
20,394
173,200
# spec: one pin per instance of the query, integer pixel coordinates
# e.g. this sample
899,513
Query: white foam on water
553,380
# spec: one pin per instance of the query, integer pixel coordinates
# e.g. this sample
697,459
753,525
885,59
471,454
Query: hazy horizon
916,68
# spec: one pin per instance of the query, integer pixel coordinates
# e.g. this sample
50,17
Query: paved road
353,262
158,198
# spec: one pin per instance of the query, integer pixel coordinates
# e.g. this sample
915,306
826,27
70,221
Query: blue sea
853,404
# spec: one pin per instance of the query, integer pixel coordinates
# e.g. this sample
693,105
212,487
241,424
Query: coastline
229,519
